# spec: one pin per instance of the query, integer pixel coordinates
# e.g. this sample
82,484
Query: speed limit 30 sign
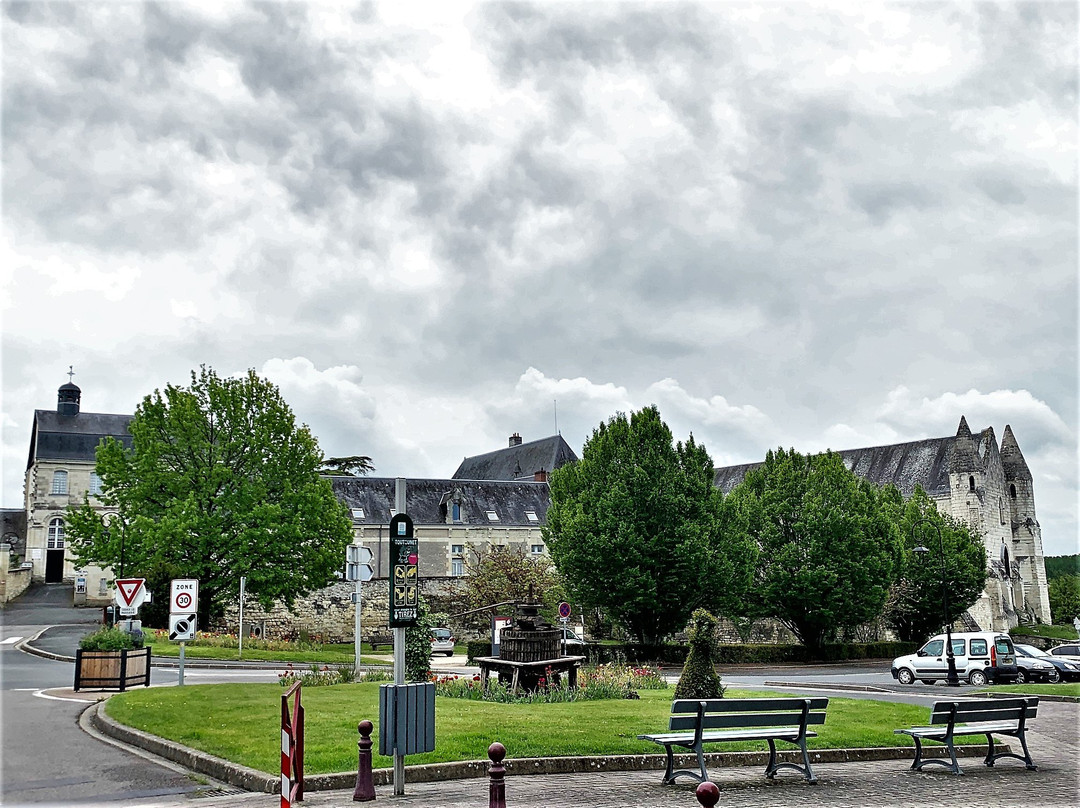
184,596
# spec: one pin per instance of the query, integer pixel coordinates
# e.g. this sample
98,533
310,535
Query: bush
110,639
603,682
316,676
699,679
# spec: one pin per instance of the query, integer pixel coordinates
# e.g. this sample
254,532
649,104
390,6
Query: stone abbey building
501,498
971,478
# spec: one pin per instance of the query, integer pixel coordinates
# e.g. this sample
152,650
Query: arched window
971,483
56,534
59,482
1012,491
1001,509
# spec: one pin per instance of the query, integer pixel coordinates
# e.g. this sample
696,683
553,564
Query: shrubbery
111,639
699,679
602,682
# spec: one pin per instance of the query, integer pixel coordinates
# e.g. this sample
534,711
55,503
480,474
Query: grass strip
1061,689
328,655
241,723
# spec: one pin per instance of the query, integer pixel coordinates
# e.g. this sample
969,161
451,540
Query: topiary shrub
699,679
110,639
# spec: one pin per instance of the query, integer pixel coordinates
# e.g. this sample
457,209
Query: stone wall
13,580
329,613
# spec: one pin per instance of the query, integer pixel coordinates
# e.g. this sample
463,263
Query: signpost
358,568
564,618
183,606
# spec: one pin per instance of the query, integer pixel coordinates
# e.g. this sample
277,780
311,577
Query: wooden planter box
112,670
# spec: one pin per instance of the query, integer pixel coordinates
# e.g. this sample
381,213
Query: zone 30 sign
184,596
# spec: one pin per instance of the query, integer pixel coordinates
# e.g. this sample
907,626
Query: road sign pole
240,631
399,652
181,682
356,629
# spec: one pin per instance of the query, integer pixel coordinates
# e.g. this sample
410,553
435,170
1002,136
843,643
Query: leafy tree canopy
827,545
634,527
954,569
502,574
351,466
1065,599
220,482
1061,566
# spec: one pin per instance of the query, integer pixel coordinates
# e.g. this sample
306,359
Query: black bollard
707,794
365,787
497,775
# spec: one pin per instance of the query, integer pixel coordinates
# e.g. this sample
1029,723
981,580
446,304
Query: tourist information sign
404,577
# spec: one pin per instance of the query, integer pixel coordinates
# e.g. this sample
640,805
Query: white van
981,657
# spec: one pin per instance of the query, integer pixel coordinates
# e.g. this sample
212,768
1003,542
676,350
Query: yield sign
130,591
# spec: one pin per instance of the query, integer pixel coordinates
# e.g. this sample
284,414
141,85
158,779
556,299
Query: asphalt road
47,759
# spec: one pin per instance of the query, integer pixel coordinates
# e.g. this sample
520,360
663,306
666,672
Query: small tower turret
68,397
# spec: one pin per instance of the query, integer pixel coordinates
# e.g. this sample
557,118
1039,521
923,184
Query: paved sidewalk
1054,741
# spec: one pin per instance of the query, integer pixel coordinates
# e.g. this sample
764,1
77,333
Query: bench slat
714,721
724,735
966,712
746,705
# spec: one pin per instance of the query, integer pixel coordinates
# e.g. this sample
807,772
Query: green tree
956,567
351,466
827,547
1059,566
502,574
1065,599
634,528
220,482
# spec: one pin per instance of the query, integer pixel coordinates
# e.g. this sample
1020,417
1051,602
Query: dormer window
59,483
455,511
492,516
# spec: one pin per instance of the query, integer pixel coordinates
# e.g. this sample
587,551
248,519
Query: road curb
253,780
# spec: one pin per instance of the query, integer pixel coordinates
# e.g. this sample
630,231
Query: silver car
442,641
1069,651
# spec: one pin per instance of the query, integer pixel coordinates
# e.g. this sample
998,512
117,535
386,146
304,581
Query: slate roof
427,500
517,462
905,465
74,437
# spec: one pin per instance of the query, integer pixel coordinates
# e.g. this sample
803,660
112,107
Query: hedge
730,654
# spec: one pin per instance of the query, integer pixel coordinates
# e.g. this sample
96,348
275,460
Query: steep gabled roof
74,437
518,462
905,465
427,500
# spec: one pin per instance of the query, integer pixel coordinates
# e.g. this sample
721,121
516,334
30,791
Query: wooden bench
975,717
380,639
694,723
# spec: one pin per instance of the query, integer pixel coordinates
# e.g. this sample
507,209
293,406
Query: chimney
515,440
540,476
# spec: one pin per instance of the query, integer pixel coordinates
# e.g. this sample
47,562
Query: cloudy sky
434,225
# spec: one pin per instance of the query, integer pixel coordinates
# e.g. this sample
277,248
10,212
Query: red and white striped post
292,748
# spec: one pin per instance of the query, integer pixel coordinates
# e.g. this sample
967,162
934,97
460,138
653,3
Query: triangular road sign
130,590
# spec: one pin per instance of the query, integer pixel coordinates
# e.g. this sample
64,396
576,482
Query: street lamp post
952,678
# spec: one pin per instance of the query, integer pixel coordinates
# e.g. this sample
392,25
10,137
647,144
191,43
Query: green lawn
1060,689
241,722
1055,632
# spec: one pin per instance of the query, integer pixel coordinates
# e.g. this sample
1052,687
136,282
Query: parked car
1033,669
1068,651
573,641
442,641
1064,669
981,657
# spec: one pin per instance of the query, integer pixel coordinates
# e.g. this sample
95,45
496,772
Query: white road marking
41,694
10,640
